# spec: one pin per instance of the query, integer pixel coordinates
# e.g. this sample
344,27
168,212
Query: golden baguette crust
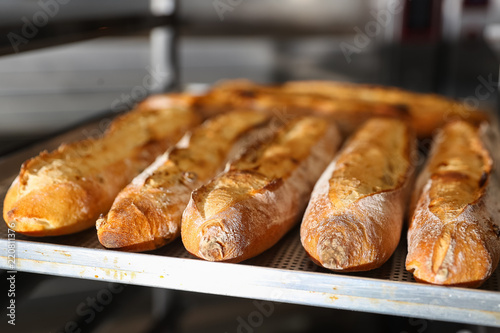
350,105
64,191
427,112
244,94
453,238
260,196
166,101
347,113
354,219
147,213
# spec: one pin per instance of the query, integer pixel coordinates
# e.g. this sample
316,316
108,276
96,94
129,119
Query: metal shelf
282,274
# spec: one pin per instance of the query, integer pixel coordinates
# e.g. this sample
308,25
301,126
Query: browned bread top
350,104
167,101
453,237
147,213
275,99
427,112
200,153
459,170
376,159
259,197
64,191
210,145
354,219
262,167
377,93
126,133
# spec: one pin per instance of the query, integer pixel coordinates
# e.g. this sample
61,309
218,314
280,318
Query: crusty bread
350,105
354,219
347,113
260,196
244,94
64,191
427,112
166,101
454,234
147,213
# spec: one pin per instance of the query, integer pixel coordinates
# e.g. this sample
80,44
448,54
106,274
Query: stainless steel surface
12,11
46,90
282,274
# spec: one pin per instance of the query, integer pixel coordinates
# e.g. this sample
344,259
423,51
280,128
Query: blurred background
66,62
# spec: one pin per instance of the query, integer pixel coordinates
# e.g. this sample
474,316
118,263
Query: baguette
349,104
65,191
243,94
347,113
169,100
147,213
354,219
428,112
248,208
453,237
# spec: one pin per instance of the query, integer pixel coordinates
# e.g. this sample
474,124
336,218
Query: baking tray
282,274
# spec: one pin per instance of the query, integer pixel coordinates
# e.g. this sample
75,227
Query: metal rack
282,274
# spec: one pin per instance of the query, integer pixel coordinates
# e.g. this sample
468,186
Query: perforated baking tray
282,274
